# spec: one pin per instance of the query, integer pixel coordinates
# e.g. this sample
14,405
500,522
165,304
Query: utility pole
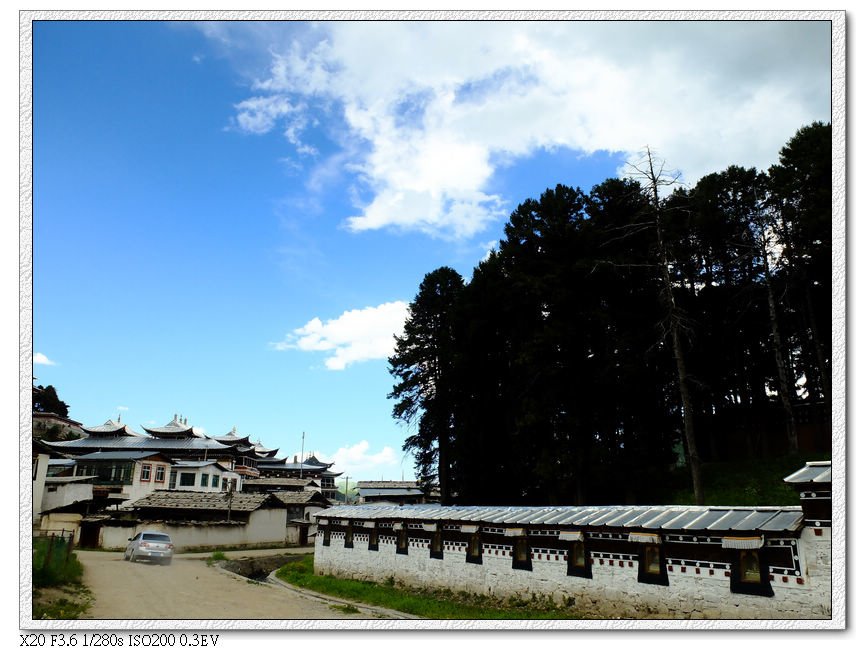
302,440
346,489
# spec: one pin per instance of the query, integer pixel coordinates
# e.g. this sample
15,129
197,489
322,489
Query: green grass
53,564
216,556
346,609
431,604
57,590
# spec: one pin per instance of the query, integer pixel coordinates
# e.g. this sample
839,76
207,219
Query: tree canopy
557,375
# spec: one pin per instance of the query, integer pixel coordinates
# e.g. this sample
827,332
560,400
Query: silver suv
149,545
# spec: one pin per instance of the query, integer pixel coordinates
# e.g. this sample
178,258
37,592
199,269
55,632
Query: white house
203,476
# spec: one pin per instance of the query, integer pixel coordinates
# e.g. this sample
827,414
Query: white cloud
360,464
434,104
260,114
356,335
41,360
121,408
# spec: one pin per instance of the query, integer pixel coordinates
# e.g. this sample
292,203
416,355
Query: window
652,565
402,541
474,552
522,554
749,573
749,566
145,472
349,535
187,479
326,539
214,481
205,480
172,479
160,473
373,538
653,559
578,564
436,551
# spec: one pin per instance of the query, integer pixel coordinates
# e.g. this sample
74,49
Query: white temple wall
613,590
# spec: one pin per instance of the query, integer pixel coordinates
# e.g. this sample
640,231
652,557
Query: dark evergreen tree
45,400
424,364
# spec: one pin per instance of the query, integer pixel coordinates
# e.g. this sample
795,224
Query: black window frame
473,557
373,538
437,544
579,571
650,577
325,539
402,540
349,535
524,564
739,586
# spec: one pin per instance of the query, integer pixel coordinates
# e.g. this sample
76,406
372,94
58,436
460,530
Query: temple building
311,468
226,461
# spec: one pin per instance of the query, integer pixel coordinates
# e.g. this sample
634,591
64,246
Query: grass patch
54,563
67,602
57,590
346,609
438,604
216,556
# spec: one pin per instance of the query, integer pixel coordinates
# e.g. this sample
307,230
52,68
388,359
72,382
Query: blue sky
230,218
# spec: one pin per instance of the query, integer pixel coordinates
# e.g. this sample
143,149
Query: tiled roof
393,485
666,518
183,500
290,498
395,492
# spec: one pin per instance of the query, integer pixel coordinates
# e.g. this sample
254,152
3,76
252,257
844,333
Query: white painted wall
266,527
62,494
61,521
40,471
613,590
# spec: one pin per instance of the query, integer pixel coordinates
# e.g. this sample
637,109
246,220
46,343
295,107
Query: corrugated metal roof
667,518
140,443
111,427
813,472
118,455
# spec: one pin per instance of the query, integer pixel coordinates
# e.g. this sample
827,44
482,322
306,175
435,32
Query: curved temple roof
177,428
110,428
665,518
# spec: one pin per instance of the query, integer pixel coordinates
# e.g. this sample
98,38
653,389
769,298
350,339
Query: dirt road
189,589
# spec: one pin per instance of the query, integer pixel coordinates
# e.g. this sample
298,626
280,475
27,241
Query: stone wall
265,528
613,591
